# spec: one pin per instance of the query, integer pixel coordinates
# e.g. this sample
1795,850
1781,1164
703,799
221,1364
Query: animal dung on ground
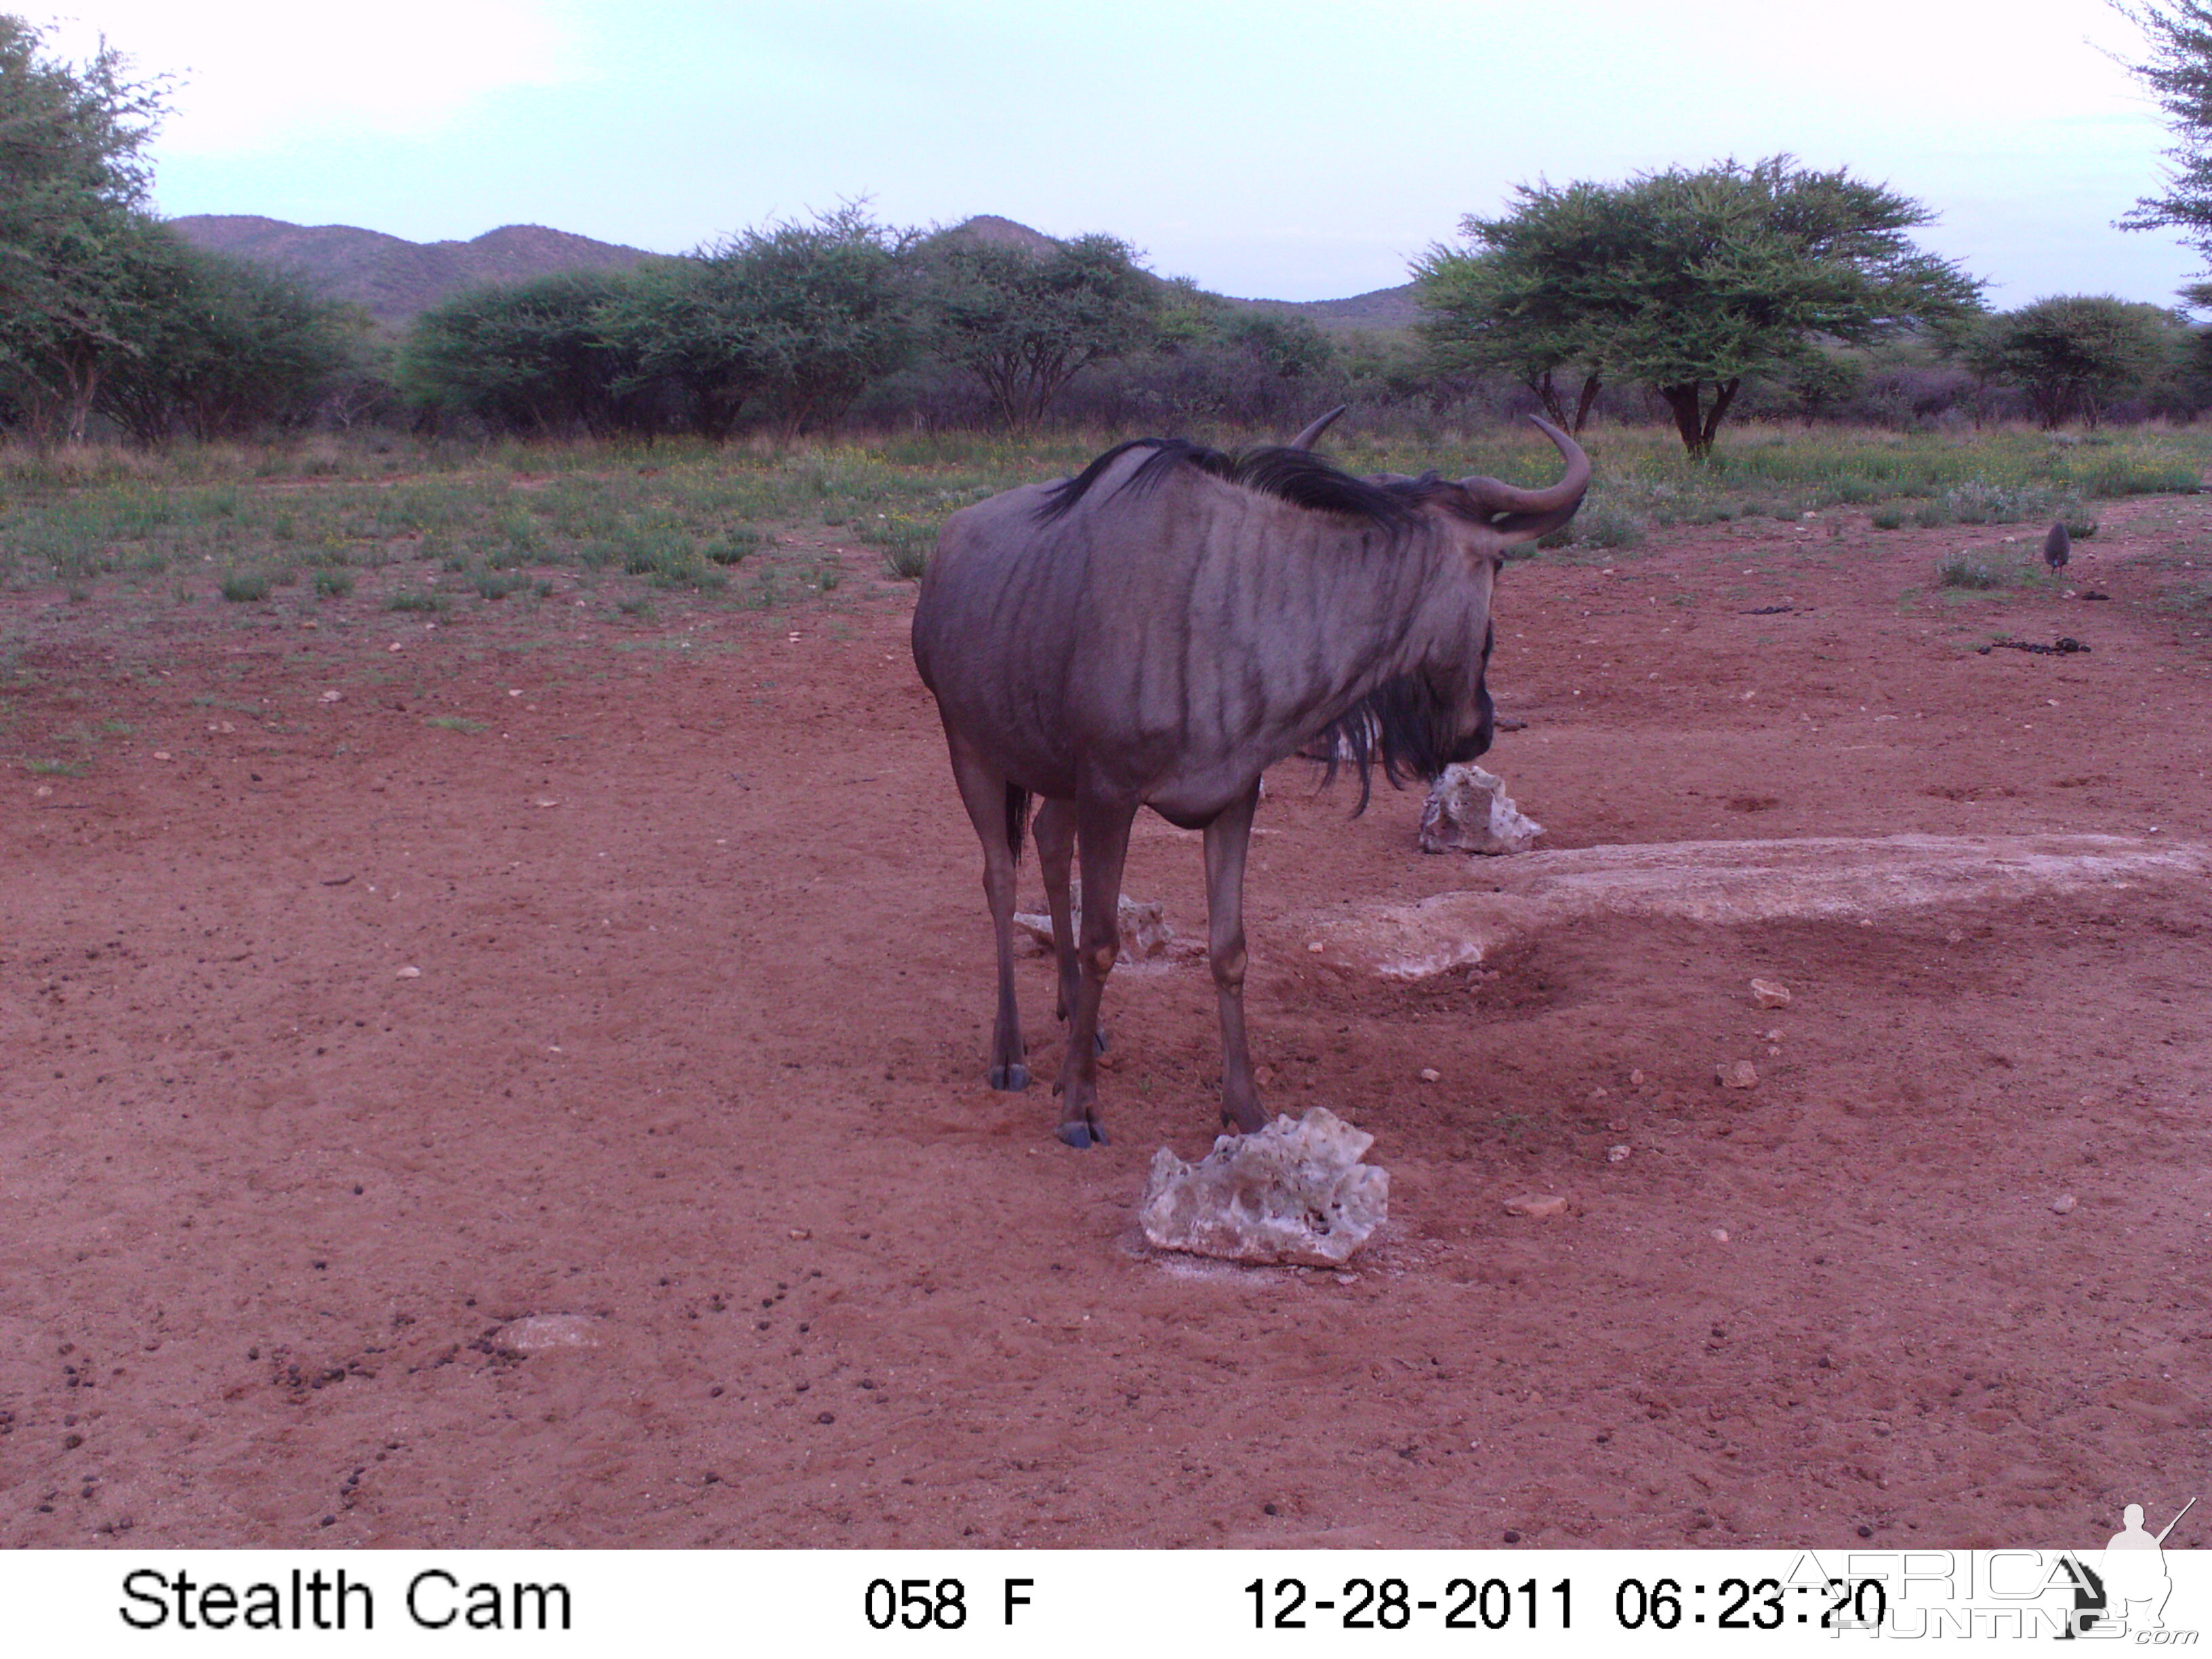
1537,1207
1770,993
1736,1074
1469,812
1293,1192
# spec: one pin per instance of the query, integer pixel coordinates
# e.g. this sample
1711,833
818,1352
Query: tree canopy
1026,324
1687,283
2179,72
73,183
2072,353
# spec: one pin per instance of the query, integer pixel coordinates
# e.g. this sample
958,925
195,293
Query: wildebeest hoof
1081,1136
1010,1079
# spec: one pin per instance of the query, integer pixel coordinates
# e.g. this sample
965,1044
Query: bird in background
2056,546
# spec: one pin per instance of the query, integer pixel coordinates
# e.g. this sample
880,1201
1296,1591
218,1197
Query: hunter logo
2130,1588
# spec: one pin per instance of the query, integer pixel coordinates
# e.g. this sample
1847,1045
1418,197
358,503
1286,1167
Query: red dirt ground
697,1050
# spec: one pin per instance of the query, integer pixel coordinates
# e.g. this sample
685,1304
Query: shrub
1961,570
245,587
1888,518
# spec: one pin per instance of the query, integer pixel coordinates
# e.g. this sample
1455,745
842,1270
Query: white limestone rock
1141,922
1291,1193
1469,812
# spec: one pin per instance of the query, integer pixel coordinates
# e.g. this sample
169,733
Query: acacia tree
2072,353
1523,303
1027,324
2179,72
793,319
74,247
223,347
1688,282
534,355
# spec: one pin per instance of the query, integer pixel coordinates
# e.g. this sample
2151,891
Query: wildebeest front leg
1227,839
983,791
1103,836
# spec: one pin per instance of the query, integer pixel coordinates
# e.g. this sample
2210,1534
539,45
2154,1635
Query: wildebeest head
1438,711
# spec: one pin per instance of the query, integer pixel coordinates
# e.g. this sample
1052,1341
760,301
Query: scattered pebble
1539,1206
801,1234
1263,1075
394,646
544,800
1617,1154
1430,1074
220,726
1720,1235
44,789
409,973
163,754
1771,993
2063,1205
1636,1080
332,697
1736,1074
1316,947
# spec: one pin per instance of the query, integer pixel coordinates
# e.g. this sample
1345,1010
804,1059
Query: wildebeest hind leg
1227,839
985,792
1103,836
1056,844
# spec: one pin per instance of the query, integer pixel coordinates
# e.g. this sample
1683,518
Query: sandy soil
695,1053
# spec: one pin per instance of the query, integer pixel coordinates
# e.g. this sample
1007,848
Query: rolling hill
395,279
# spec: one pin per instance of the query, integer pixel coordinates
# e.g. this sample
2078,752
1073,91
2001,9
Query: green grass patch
457,723
246,587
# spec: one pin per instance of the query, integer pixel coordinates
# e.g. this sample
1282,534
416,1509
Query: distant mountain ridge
396,279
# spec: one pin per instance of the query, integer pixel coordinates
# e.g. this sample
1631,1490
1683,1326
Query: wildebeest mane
1296,475
1410,724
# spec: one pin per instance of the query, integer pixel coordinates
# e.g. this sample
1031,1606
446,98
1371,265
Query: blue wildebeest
1160,629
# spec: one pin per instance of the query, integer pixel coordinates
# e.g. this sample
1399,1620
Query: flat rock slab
1729,882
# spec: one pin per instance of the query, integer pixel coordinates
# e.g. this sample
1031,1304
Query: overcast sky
1297,150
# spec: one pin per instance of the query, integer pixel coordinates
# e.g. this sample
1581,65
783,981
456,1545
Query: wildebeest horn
1305,438
1567,494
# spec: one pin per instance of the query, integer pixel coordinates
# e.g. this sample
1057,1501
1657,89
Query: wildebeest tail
1017,819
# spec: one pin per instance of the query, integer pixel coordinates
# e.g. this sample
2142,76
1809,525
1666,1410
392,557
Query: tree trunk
1723,395
1583,404
1683,401
1699,427
1548,395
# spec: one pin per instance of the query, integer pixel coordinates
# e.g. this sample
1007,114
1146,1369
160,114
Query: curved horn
1305,438
1567,494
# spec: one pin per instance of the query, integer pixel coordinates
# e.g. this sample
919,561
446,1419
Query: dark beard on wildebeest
1414,725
